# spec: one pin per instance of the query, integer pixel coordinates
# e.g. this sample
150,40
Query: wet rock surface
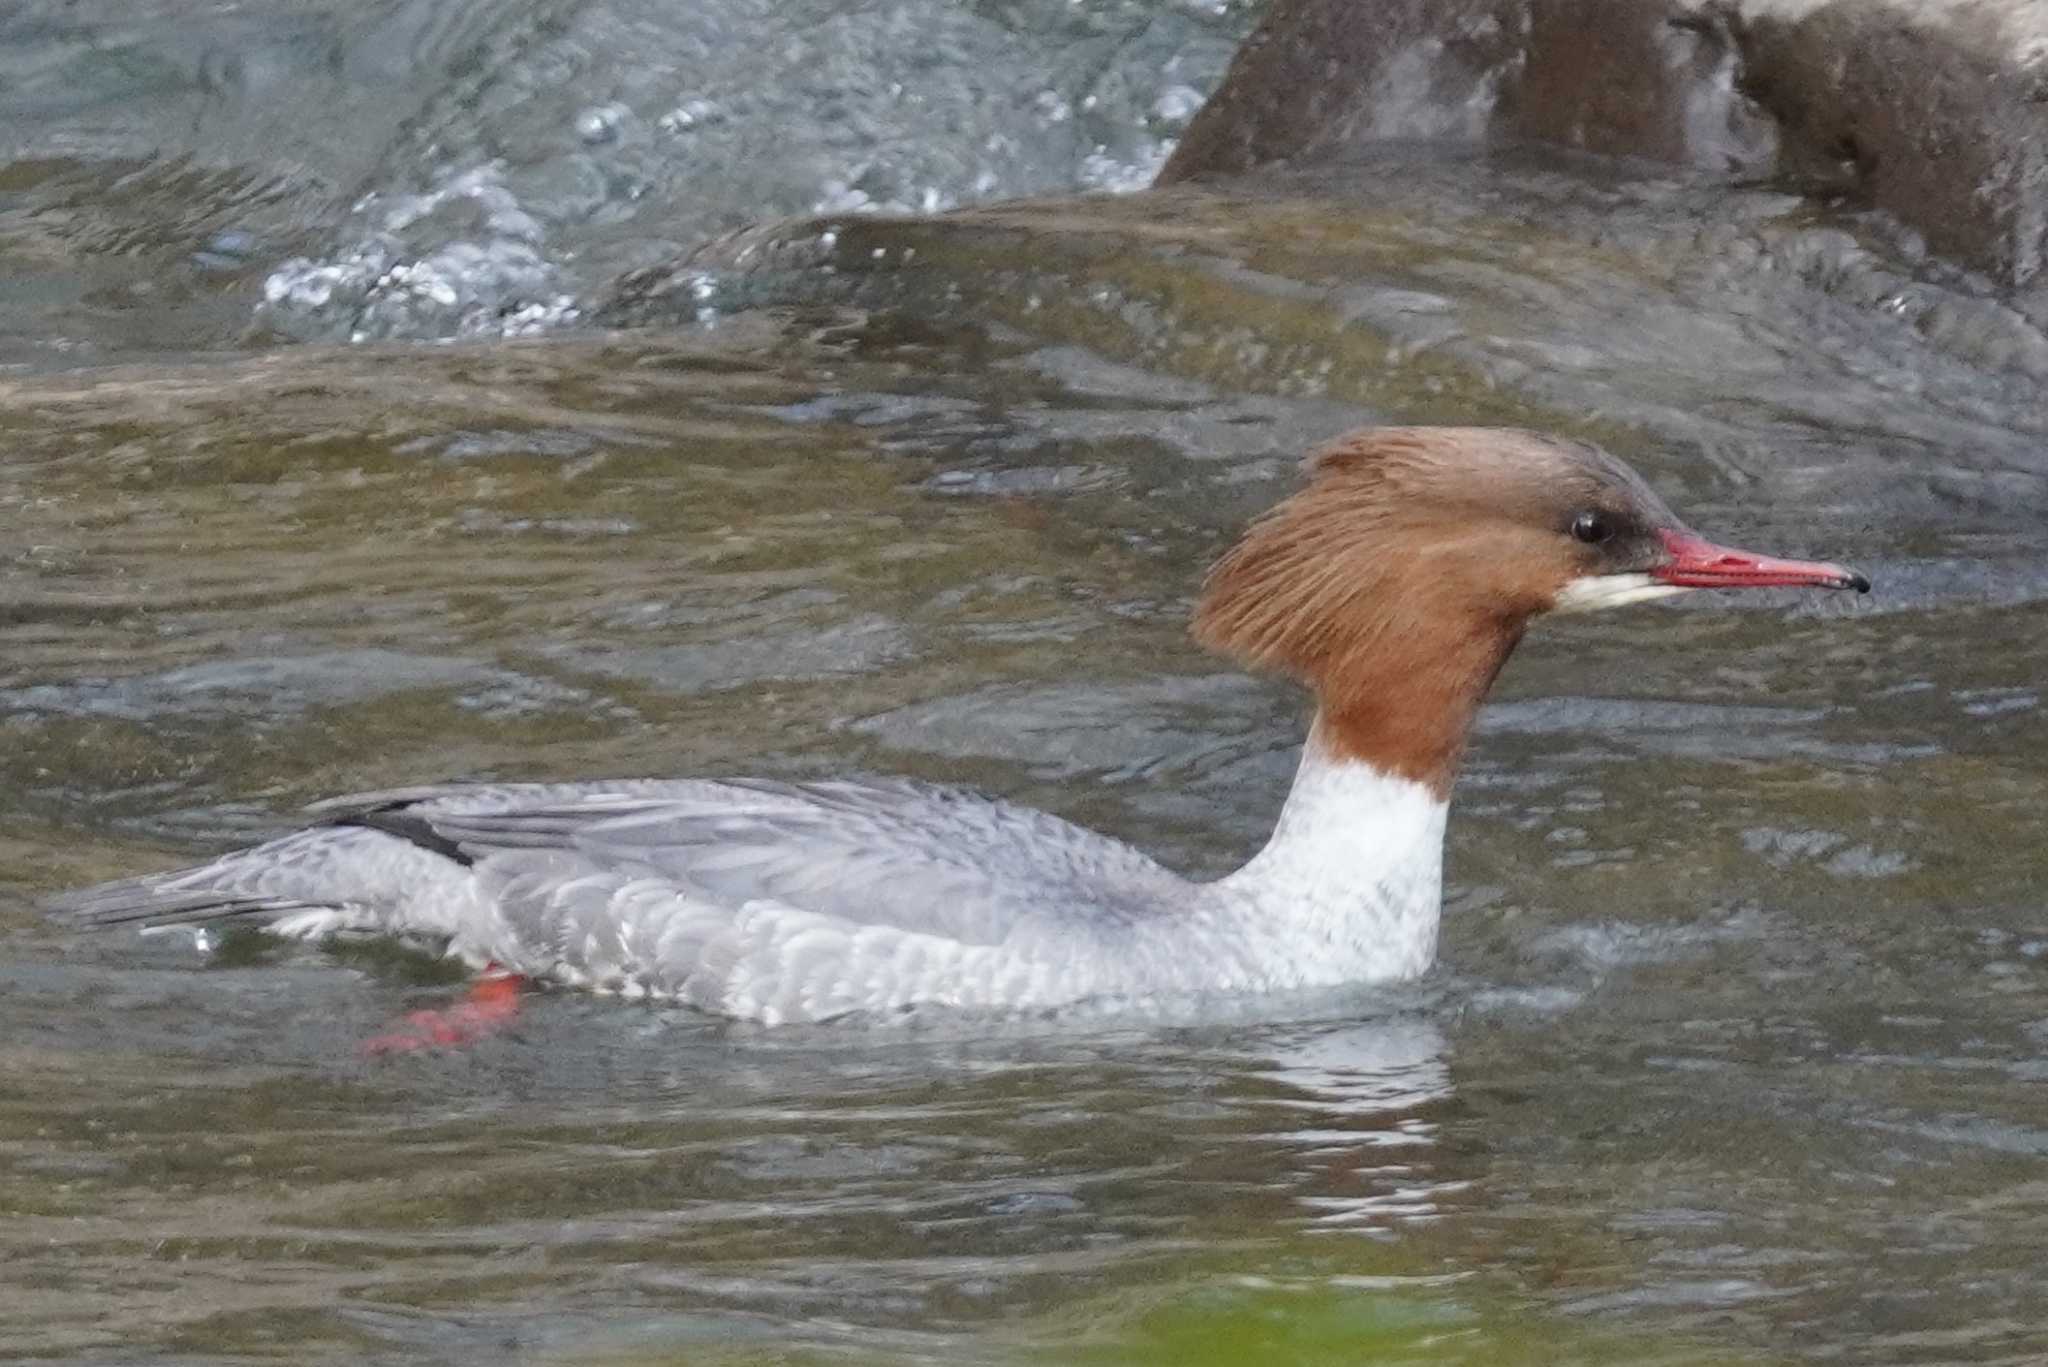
1935,111
1527,286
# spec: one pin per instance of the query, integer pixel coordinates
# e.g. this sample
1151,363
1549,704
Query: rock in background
1933,110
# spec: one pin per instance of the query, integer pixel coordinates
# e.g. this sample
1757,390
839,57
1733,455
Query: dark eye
1592,528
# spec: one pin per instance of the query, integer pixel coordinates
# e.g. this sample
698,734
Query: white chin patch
1596,592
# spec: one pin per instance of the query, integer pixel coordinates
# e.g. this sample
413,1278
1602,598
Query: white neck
1350,887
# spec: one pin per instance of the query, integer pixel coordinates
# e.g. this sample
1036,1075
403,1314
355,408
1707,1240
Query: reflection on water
1363,1094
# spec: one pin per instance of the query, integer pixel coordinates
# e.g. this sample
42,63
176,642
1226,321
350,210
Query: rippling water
1736,1047
454,167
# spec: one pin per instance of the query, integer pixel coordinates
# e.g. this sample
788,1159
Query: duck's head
1396,582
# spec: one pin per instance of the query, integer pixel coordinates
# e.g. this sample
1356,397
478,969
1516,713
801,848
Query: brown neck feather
1411,716
1397,619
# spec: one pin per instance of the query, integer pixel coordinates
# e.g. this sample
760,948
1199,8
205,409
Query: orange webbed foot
489,1006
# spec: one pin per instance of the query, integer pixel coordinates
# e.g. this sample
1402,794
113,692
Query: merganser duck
1393,585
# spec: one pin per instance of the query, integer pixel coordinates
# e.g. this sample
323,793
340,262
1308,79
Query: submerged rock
1934,110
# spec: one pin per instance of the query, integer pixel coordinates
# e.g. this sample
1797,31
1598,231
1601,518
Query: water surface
1735,1049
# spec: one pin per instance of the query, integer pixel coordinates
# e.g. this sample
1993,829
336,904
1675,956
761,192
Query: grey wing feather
679,872
914,856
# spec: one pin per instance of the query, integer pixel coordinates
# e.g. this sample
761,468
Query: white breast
1350,886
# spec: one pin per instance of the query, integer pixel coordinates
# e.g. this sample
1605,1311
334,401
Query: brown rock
1936,110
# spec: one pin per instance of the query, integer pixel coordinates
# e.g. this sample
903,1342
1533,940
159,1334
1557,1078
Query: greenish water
1735,1050
1733,1047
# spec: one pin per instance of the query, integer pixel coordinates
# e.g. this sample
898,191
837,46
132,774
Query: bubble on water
1177,104
203,940
463,259
841,198
1101,171
689,116
307,285
602,124
849,197
704,287
540,316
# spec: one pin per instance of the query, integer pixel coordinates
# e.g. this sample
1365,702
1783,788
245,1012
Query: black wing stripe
411,828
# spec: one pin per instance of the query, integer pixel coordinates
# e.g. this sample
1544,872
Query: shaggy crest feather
1395,583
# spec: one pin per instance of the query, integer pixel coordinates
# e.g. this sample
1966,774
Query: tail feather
156,900
358,874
